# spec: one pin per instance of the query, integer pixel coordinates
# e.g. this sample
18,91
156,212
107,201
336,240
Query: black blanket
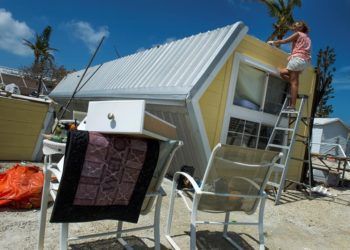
104,177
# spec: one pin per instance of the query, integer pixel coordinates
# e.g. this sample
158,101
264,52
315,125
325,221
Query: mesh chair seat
235,171
234,180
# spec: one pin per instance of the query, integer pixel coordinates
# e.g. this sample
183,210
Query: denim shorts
297,64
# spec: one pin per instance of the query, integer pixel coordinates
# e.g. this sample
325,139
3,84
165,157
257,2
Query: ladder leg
279,190
286,147
310,168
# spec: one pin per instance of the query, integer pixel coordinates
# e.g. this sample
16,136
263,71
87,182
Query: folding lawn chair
234,180
154,194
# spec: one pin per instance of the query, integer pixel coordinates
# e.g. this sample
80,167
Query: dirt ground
301,222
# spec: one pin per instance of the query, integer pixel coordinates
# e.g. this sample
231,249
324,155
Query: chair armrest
246,164
189,178
248,196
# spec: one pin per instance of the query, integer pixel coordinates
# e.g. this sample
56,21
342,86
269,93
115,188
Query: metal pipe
81,79
90,77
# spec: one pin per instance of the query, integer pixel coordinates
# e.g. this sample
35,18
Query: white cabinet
127,117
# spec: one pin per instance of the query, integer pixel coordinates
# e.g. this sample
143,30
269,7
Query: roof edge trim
231,41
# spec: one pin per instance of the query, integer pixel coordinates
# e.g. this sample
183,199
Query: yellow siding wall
213,101
20,124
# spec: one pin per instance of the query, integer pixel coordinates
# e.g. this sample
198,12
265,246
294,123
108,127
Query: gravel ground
300,222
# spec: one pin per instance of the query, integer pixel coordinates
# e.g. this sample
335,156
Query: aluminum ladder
292,119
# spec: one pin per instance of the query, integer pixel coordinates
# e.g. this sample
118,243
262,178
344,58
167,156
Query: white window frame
239,112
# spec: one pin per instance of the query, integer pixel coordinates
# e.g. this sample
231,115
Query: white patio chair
234,180
154,194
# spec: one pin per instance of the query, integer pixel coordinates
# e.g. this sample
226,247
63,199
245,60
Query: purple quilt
104,177
110,171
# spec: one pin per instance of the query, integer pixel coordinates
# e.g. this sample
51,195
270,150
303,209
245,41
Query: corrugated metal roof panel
324,121
171,69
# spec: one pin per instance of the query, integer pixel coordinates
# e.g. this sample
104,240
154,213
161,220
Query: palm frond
45,36
282,11
29,44
52,49
43,57
281,3
293,3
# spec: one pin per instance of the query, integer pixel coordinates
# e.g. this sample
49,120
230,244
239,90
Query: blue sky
134,25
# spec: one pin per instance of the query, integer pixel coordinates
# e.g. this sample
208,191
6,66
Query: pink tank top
302,47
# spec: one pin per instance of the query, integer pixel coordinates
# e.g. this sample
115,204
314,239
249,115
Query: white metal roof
11,71
324,121
170,71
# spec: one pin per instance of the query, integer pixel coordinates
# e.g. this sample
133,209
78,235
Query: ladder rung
289,112
279,165
303,136
298,159
300,96
278,146
277,170
298,182
284,129
273,184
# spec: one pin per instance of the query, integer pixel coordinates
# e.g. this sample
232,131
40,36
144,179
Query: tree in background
43,58
324,75
51,77
59,72
322,93
283,12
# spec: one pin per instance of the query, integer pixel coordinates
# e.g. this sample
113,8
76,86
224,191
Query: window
257,98
250,134
250,87
259,90
242,132
275,94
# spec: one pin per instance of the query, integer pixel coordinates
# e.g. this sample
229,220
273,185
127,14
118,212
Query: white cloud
12,33
87,34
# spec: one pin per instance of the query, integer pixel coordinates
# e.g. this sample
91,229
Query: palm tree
43,58
282,10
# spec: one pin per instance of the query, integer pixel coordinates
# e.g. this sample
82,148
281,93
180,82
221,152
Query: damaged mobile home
218,86
23,120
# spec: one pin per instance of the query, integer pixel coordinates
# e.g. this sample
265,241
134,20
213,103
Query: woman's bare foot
284,73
